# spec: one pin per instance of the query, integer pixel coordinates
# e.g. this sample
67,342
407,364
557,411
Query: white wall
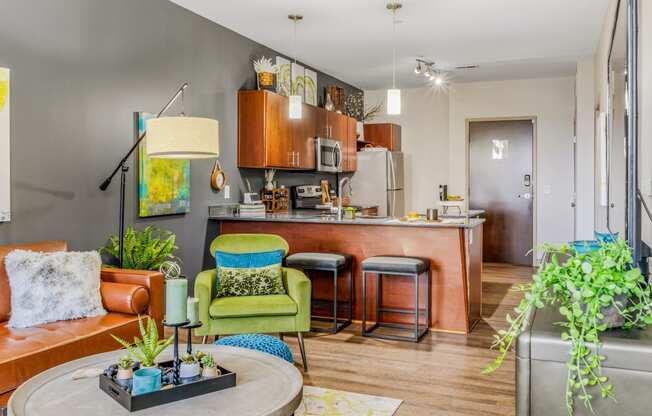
551,102
585,150
424,123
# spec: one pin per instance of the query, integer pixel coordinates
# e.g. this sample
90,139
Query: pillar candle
193,310
176,293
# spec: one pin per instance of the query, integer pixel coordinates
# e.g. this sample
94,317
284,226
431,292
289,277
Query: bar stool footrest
370,332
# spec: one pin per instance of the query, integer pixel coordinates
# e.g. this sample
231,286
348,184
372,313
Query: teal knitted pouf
259,342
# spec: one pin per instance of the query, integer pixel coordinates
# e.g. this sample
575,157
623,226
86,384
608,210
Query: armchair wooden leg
303,351
280,336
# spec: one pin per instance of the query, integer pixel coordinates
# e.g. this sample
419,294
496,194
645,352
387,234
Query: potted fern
149,346
143,250
593,292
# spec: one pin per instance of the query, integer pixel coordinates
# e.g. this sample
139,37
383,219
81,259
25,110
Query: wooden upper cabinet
350,162
304,131
337,124
268,138
386,135
264,131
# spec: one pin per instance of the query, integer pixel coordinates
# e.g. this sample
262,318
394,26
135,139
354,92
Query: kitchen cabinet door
321,117
350,163
304,132
279,142
385,135
337,125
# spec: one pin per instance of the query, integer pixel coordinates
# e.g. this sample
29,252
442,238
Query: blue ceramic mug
146,380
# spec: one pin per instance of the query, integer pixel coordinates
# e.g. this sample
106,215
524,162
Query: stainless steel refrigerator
379,181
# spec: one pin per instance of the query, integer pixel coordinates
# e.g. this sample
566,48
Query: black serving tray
171,394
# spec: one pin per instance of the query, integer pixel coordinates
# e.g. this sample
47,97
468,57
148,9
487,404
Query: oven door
329,155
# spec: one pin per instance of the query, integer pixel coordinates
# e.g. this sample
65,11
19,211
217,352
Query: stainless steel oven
329,155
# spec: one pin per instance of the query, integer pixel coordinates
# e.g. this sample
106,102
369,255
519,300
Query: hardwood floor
440,375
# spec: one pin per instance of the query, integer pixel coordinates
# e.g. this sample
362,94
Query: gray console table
541,370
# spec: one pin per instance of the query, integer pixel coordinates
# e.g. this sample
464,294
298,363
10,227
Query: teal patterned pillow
252,281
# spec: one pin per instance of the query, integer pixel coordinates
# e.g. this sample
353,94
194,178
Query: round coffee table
266,385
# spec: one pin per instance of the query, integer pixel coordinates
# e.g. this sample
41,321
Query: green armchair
254,314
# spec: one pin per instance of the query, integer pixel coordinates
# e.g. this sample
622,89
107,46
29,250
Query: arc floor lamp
176,137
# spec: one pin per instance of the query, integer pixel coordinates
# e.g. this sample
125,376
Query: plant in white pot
209,367
593,292
125,368
189,368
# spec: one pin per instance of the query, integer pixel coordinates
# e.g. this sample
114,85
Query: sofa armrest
299,289
124,298
152,280
204,288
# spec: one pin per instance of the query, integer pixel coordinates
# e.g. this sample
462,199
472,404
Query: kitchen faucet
340,191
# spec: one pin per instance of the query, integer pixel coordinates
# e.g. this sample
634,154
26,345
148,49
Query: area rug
326,402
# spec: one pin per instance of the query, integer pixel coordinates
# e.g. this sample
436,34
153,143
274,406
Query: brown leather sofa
29,351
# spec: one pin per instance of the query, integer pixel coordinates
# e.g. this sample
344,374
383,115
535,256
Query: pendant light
294,110
394,94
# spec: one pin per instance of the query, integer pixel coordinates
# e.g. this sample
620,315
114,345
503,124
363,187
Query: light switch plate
227,192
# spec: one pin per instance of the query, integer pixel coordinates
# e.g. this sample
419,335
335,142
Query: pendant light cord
394,48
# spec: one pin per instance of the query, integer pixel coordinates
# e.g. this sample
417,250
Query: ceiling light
393,94
429,73
295,101
417,69
439,80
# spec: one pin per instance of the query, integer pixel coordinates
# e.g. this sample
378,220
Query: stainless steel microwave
329,155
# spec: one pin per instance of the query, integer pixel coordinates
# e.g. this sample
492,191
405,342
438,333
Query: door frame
535,188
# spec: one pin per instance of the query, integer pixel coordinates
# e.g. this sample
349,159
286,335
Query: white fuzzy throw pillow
48,287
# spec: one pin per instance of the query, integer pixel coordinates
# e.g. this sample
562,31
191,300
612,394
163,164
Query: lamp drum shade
182,138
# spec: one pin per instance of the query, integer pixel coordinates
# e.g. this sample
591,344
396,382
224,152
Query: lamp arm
107,181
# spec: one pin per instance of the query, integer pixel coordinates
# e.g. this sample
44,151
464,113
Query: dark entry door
501,182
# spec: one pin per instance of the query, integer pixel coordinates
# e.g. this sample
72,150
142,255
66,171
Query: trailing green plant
149,346
143,250
125,362
582,286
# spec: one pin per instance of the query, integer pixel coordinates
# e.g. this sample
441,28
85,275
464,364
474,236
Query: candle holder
176,363
190,326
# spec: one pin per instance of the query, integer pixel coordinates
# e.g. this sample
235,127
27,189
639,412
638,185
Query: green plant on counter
584,286
149,346
143,250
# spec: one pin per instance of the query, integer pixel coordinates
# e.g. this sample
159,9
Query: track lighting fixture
427,68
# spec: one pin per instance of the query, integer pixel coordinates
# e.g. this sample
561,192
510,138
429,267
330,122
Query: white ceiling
351,39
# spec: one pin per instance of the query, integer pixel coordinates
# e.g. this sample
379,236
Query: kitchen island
454,247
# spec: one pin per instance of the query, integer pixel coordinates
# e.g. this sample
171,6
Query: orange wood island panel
455,255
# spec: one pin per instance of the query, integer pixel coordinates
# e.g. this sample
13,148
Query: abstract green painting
163,184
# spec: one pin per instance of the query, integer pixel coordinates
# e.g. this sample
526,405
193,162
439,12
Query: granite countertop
316,217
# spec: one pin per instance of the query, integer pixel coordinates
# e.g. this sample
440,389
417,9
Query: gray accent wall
79,69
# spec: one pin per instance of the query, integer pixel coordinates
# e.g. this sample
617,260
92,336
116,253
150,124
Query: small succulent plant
188,359
125,362
265,65
208,361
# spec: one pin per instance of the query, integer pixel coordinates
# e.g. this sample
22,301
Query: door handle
527,180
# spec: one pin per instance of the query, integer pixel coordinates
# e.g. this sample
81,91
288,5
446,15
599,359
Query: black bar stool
334,263
412,267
